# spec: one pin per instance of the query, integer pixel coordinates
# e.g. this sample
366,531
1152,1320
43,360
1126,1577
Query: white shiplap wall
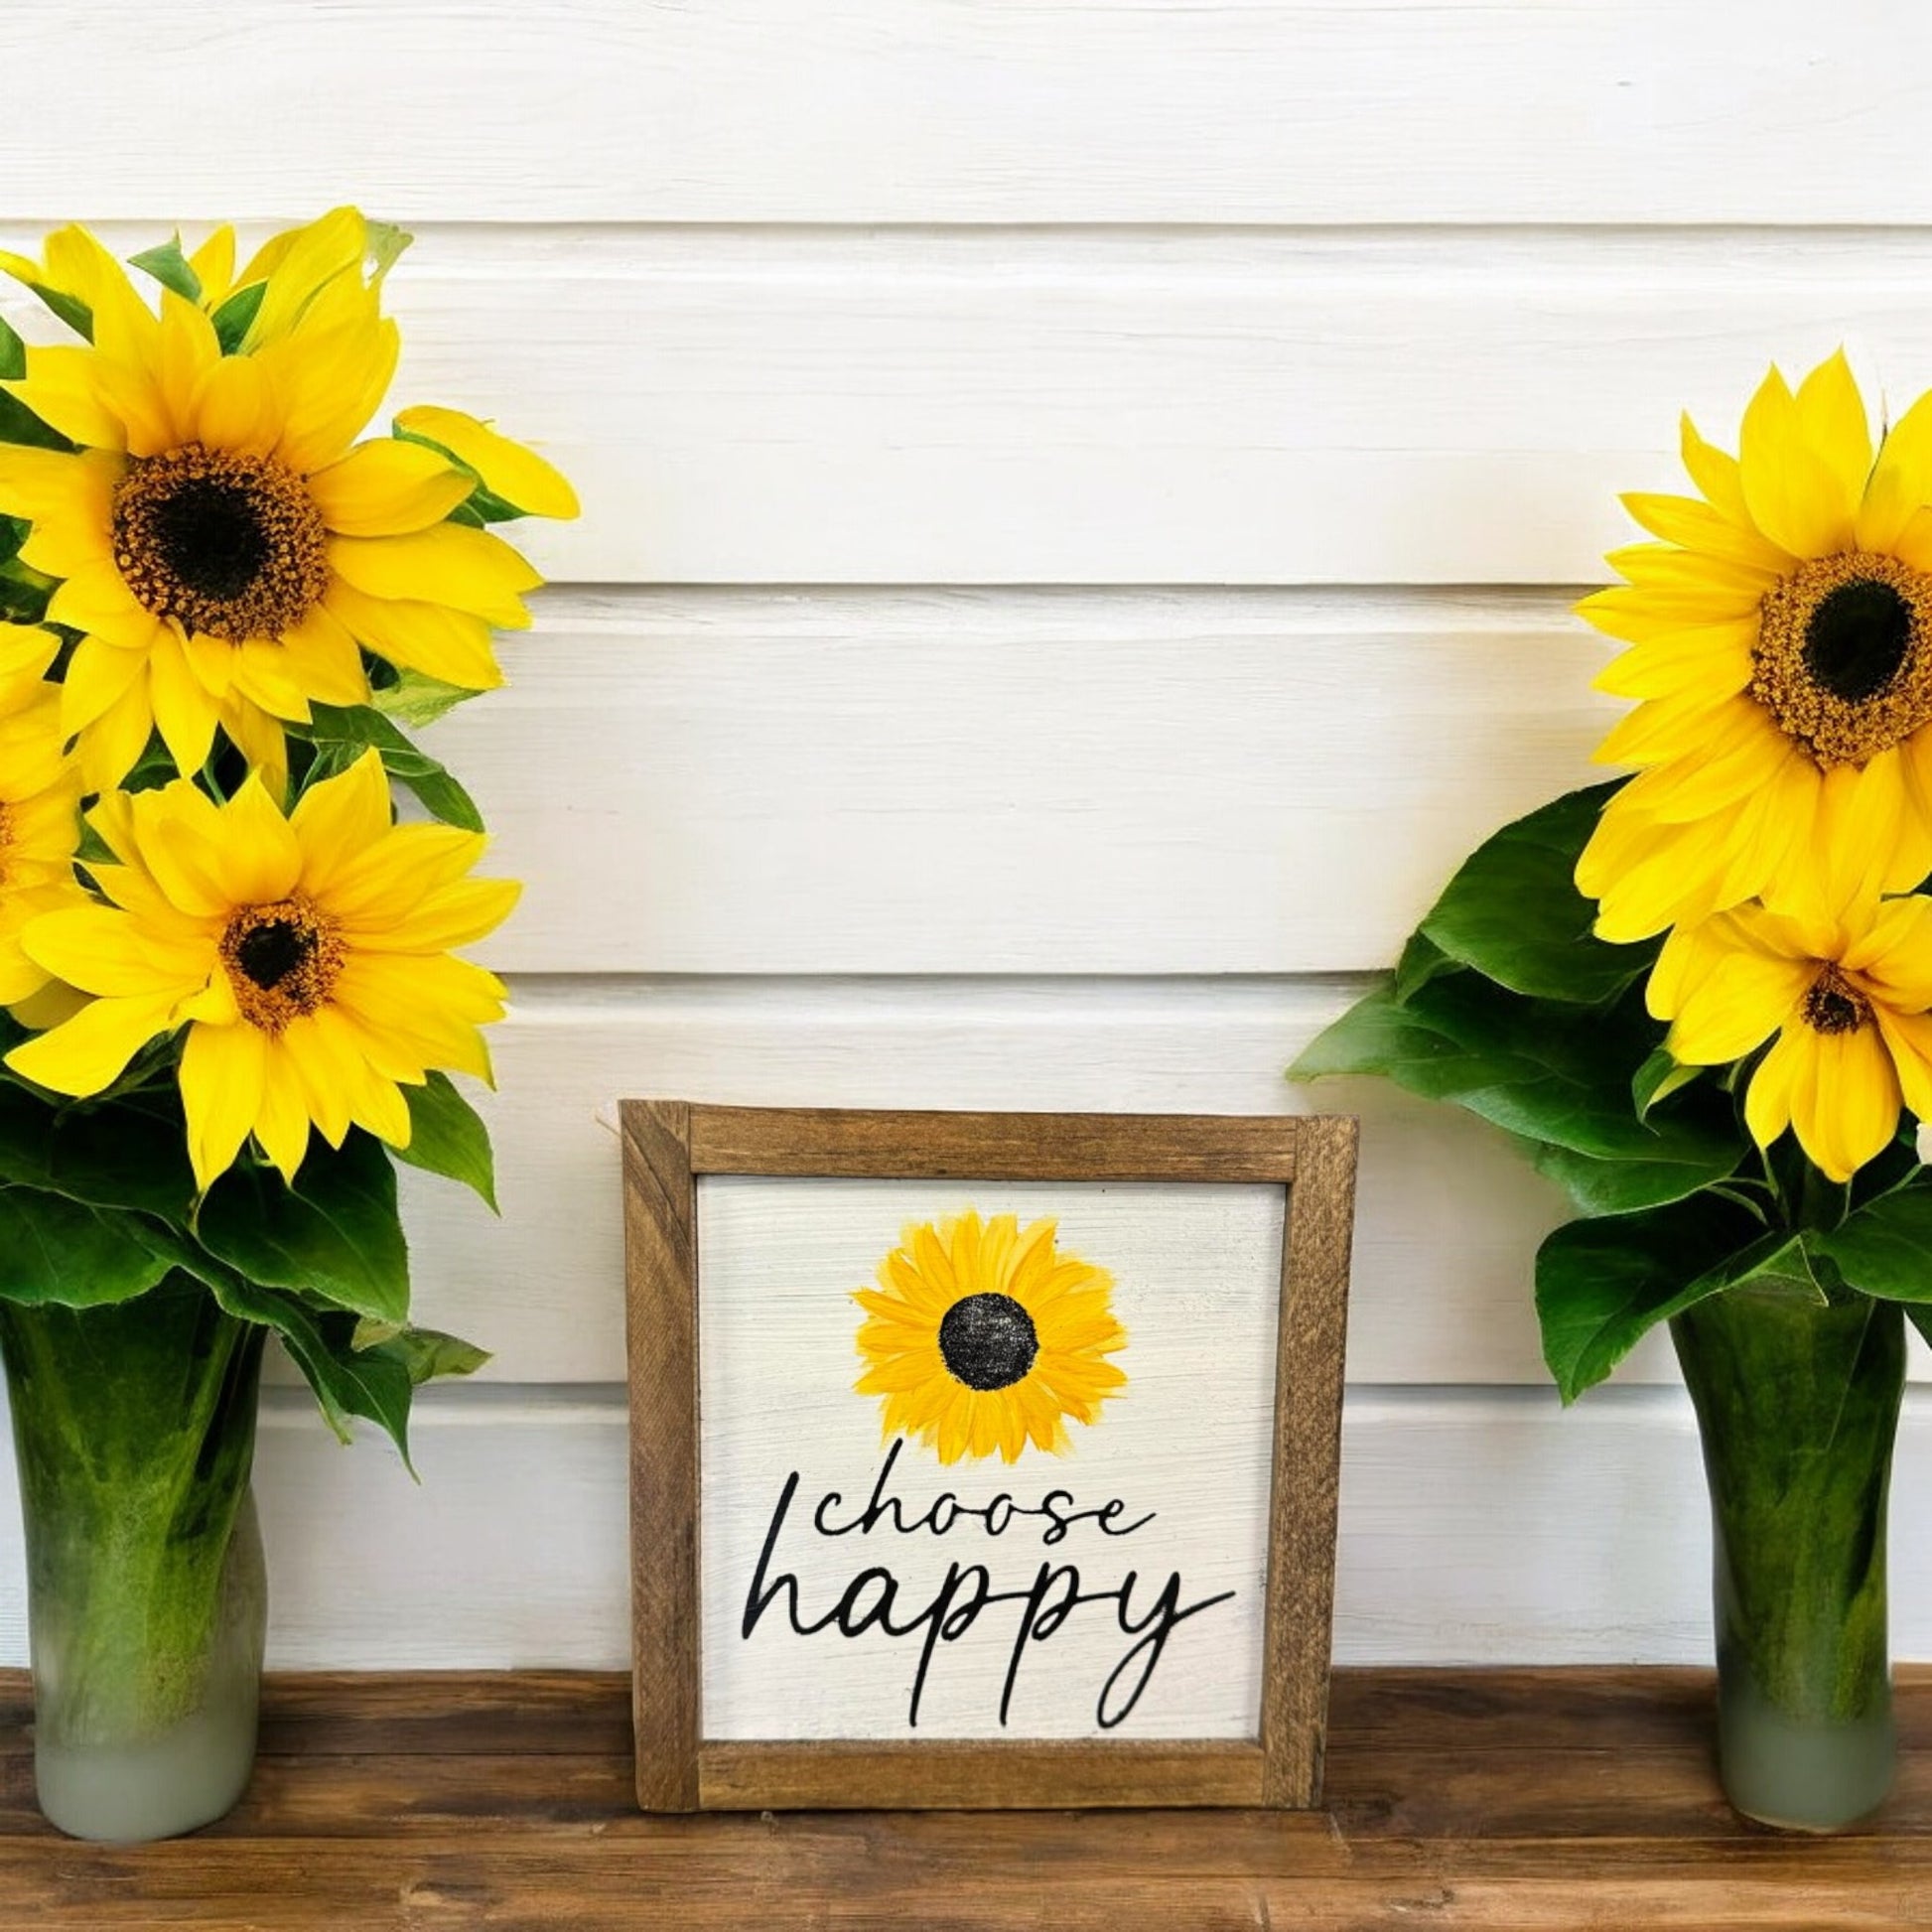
1081,505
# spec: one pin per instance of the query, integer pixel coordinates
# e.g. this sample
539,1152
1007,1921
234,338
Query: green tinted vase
1797,1406
134,1432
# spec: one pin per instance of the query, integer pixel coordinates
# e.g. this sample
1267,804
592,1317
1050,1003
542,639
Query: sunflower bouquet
232,997
1700,999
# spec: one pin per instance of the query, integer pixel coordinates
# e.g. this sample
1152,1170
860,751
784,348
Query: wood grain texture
847,408
917,111
994,1147
1011,781
1504,1801
661,1243
945,1777
1309,1377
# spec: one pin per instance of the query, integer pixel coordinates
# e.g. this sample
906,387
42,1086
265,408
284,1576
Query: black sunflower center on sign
988,1342
228,545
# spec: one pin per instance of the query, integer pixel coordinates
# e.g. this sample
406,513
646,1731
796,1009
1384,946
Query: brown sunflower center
282,960
1833,1005
231,546
988,1342
1844,655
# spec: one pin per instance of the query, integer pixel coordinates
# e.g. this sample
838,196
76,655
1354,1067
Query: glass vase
134,1431
1797,1405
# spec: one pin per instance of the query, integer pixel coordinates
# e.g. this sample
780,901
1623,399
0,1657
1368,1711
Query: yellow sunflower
984,1336
1846,995
306,955
1781,635
40,827
225,547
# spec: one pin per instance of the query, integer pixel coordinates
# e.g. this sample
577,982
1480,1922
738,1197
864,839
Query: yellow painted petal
98,676
516,475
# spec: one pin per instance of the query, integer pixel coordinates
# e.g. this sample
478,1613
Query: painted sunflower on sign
1781,659
225,550
307,956
984,1336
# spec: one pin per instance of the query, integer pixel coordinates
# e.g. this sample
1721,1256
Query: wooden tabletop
1493,1799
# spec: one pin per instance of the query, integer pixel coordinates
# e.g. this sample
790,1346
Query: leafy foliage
1505,1003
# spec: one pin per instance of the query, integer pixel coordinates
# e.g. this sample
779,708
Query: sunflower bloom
225,546
1781,659
39,829
1847,997
984,1336
307,956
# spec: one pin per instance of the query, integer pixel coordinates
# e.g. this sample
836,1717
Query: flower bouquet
231,997
1699,1000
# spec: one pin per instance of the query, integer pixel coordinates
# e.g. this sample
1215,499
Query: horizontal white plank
925,110
1448,1216
846,408
1001,782
1475,1529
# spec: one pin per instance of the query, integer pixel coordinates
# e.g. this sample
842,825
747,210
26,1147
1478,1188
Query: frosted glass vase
134,1430
1797,1406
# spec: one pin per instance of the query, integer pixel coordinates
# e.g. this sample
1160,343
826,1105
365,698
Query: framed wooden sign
982,1459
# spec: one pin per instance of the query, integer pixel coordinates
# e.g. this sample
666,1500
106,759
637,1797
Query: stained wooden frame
668,1144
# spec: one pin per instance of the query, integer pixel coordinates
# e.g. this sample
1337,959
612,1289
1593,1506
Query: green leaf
425,1352
1660,1076
131,1154
53,1249
415,700
70,308
169,267
1513,911
1422,961
342,735
333,1235
1546,1070
13,353
1884,1248
447,1136
1600,1285
236,316
1597,1187
348,1382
